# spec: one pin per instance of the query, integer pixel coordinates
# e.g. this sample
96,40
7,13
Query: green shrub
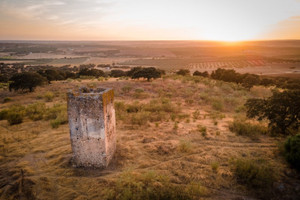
196,114
150,186
247,129
254,174
292,150
185,146
55,111
13,115
133,108
49,96
126,89
140,118
14,118
215,166
140,94
62,118
35,111
217,105
7,99
3,114
202,130
183,72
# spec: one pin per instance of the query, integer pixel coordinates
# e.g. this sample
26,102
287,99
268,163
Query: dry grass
159,138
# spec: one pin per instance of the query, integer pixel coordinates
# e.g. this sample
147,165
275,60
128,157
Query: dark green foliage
230,75
26,81
282,110
91,72
117,73
3,78
292,150
148,73
249,80
227,75
3,114
204,74
267,82
254,174
53,75
7,99
14,118
133,70
183,72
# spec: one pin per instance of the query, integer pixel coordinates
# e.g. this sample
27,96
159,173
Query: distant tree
91,72
266,82
26,81
148,73
227,75
70,74
52,75
132,71
117,73
183,72
3,78
249,80
204,74
282,110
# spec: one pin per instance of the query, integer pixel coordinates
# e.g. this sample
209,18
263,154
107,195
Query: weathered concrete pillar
92,126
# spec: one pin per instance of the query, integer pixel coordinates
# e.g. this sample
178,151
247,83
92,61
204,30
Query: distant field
171,64
68,61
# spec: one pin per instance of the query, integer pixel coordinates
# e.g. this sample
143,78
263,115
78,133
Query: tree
117,73
148,73
132,71
91,72
282,110
183,72
26,81
204,74
249,80
52,75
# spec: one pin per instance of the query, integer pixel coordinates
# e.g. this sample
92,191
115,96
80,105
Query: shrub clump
13,115
292,151
35,111
152,186
254,174
140,114
49,96
247,129
183,72
57,114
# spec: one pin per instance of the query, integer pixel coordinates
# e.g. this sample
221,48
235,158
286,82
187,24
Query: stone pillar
92,126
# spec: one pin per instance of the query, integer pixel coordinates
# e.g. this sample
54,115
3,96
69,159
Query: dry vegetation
173,142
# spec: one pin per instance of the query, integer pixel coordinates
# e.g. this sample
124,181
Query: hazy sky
149,20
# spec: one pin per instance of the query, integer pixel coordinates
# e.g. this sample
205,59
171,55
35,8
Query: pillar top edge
85,91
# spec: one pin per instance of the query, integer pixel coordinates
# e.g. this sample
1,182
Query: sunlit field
177,133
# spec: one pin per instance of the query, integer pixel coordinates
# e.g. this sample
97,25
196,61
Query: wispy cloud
62,12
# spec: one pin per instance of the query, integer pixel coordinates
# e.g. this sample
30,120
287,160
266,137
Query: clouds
155,19
60,12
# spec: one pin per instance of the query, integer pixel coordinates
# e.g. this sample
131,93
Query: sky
224,20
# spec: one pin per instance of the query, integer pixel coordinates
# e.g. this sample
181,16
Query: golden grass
35,159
